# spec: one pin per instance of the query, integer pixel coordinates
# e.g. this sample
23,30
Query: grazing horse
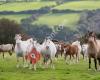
6,48
71,50
22,48
93,49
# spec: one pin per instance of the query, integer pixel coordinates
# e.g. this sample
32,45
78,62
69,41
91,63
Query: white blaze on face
64,50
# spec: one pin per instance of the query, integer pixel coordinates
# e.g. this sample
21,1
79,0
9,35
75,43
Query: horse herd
32,52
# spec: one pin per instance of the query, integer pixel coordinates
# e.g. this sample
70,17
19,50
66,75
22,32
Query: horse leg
70,59
66,58
99,64
34,67
95,61
61,53
25,62
52,64
89,62
31,65
3,55
18,65
77,58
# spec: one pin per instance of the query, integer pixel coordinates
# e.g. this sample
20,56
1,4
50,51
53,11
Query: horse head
18,38
91,37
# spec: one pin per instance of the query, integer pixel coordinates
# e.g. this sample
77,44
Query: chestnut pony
71,50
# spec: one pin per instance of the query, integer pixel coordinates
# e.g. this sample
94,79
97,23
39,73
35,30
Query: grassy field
79,71
80,5
22,6
58,19
16,17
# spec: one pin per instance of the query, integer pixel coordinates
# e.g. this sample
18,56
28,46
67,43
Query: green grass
79,71
80,5
16,17
22,6
58,19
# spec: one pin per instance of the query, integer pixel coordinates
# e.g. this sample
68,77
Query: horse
22,48
58,47
85,51
77,43
71,50
93,49
48,51
6,48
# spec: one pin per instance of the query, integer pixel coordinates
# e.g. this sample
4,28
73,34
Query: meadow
63,71
68,20
79,5
23,6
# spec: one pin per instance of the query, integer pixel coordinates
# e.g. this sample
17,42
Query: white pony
77,43
85,51
48,51
22,48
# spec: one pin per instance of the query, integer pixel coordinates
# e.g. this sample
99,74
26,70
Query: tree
8,29
90,21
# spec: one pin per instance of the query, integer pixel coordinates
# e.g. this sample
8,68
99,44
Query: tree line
89,21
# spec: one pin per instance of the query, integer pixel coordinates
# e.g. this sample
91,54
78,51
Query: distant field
80,5
17,17
57,19
22,6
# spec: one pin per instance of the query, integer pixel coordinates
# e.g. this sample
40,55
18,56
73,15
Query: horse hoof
25,66
17,66
95,70
34,69
30,68
89,69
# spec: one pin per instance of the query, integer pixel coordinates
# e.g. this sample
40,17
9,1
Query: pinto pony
6,48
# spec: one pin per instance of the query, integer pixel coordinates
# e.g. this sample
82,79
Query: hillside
70,19
57,19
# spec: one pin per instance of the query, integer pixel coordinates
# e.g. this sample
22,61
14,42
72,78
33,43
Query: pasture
79,5
59,18
63,71
23,6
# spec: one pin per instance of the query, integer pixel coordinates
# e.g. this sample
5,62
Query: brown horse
71,50
93,49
